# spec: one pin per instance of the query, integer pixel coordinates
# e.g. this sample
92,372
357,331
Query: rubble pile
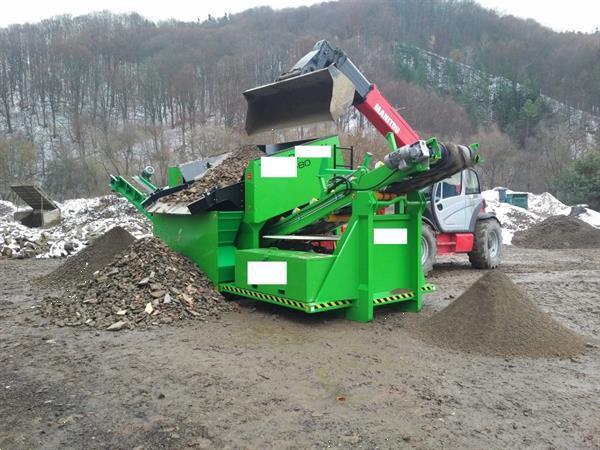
495,317
559,232
146,285
229,171
82,221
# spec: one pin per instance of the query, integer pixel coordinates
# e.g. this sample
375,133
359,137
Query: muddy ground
267,377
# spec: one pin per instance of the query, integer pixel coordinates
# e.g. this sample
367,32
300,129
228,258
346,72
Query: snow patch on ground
7,208
547,205
511,217
541,206
590,216
82,220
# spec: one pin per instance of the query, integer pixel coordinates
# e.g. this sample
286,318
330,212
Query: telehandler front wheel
487,245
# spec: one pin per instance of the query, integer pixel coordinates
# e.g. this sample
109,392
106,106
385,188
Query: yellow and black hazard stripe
394,298
266,297
319,307
307,307
404,296
332,304
429,287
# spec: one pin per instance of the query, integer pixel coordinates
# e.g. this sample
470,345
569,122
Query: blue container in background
501,194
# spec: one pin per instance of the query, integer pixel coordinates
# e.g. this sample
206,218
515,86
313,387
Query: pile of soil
229,172
82,265
495,317
146,285
558,232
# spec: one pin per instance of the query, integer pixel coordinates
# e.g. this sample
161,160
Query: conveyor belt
297,237
34,197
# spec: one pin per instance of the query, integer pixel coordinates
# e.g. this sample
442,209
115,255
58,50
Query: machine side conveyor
123,187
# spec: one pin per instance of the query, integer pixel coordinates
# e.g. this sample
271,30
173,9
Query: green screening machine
304,228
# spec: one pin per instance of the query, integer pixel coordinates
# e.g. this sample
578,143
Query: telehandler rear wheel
487,245
428,248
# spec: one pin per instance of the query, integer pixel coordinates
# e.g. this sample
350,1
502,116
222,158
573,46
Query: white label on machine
313,151
390,236
278,167
267,272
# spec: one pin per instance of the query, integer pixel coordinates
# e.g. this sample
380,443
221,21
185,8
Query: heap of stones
146,285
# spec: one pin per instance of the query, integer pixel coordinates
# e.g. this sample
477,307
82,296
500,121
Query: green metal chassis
361,273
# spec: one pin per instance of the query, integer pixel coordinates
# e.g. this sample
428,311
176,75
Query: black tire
487,245
428,248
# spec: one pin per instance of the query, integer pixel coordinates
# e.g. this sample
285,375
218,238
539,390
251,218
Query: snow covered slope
85,219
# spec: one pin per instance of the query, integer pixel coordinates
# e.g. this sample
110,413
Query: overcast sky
579,15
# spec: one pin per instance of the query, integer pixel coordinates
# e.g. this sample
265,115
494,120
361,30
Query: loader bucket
318,96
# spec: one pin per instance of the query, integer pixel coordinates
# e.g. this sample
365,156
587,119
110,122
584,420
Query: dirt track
266,377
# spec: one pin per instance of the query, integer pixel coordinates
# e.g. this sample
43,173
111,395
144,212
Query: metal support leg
362,309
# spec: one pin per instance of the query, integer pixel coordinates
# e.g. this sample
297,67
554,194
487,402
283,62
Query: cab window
471,182
451,187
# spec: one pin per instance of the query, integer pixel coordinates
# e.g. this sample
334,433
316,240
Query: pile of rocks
19,244
228,172
146,285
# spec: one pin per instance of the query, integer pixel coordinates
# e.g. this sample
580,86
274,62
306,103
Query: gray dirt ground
270,378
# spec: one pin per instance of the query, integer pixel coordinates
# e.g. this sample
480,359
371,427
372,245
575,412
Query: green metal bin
519,199
205,238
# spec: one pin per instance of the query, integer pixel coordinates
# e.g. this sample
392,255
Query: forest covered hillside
82,97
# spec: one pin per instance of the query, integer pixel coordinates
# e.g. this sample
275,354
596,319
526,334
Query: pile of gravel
495,317
559,232
146,285
228,172
81,266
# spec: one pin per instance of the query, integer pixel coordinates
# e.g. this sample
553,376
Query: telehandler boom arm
319,87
